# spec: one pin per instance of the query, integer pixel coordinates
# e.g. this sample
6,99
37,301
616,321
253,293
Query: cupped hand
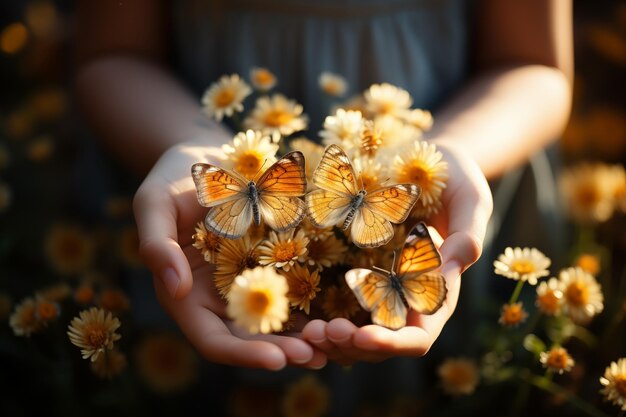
462,223
166,211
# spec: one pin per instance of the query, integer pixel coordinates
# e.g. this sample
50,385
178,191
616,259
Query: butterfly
412,283
236,202
340,199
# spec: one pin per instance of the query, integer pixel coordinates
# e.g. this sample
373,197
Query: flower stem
516,291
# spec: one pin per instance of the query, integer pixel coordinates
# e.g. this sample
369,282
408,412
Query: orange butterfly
235,201
340,199
411,284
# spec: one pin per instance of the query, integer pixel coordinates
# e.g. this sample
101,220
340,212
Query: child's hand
467,207
166,211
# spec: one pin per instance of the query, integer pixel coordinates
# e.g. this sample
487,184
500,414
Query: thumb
156,215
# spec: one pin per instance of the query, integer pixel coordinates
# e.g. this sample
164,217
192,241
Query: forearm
139,110
505,116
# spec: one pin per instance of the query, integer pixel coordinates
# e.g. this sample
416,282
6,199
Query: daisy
332,84
614,383
549,297
258,300
303,286
582,295
306,398
24,320
512,315
557,359
340,302
166,363
458,376
392,135
276,114
589,262
326,252
69,249
312,152
344,128
354,103
233,257
114,300
422,165
262,79
522,264
387,99
109,365
206,242
225,97
46,311
84,294
313,233
283,249
418,118
371,173
249,152
94,332
588,192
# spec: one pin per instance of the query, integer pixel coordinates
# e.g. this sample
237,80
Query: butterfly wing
215,185
370,229
279,188
335,172
424,289
327,208
231,219
375,294
394,203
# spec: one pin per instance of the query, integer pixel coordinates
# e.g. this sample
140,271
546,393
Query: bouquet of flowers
293,226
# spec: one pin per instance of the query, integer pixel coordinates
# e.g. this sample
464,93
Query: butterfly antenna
386,181
361,179
260,168
393,263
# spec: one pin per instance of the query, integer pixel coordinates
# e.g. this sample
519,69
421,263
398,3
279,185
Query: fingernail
171,280
317,367
451,269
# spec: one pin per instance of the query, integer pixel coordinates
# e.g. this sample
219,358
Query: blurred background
68,238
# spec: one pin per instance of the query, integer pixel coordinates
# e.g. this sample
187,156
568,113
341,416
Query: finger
407,341
297,351
155,214
315,333
340,332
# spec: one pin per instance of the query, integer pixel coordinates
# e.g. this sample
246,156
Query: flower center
416,174
96,336
46,310
458,376
577,294
70,248
368,181
557,359
523,266
549,302
371,141
332,88
258,301
620,385
276,118
285,251
225,97
263,77
84,295
588,196
248,164
589,263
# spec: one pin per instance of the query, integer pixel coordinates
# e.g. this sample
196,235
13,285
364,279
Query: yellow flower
522,264
258,300
166,363
303,286
283,250
458,376
422,165
249,151
589,192
46,311
306,398
355,103
391,135
69,249
418,118
225,97
332,84
614,383
13,38
549,297
340,302
42,18
233,257
313,233
206,242
40,149
344,129
371,173
387,99
276,114
589,262
582,295
262,79
312,155
84,294
94,332
324,253
512,315
24,320
110,364
557,359
114,300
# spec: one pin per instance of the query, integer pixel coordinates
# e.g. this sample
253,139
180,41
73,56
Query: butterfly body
340,201
235,202
411,284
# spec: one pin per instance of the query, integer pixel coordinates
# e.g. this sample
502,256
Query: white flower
225,97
